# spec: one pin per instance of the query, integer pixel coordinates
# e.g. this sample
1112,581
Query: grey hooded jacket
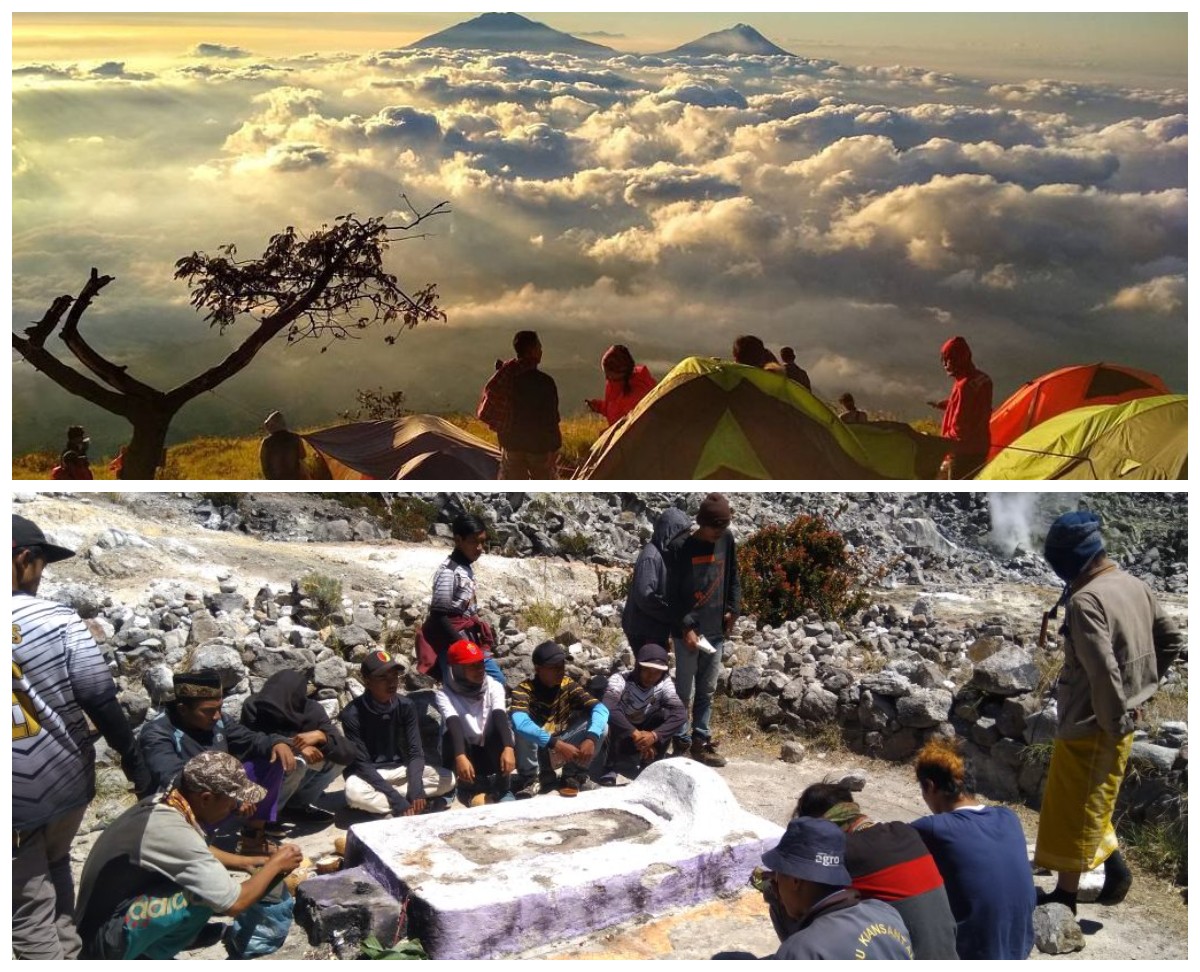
647,615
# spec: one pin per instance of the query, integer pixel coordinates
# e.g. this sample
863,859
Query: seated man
478,738
388,774
644,713
813,886
193,724
282,707
558,723
889,862
150,882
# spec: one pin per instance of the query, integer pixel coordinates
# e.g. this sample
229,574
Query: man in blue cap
1118,645
809,875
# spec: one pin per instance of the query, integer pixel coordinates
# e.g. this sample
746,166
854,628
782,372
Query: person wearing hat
281,452
151,882
60,681
388,774
887,861
1118,644
644,713
968,411
557,723
832,920
625,384
477,736
192,724
705,595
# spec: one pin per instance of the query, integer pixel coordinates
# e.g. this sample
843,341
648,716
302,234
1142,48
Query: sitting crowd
956,883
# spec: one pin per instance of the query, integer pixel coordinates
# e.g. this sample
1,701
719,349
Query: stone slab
502,879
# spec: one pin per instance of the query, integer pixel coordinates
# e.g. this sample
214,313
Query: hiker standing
968,411
646,617
793,370
1118,645
282,452
520,404
625,384
705,598
60,680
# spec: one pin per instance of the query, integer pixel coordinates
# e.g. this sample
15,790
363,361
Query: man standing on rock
705,598
1118,645
60,680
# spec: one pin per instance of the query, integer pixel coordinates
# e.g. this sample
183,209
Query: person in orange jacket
625,384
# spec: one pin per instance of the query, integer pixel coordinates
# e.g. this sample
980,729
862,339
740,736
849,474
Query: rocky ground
169,581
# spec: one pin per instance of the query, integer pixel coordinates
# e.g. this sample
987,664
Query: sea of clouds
860,214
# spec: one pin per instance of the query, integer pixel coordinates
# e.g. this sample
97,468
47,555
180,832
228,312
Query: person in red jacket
968,411
625,384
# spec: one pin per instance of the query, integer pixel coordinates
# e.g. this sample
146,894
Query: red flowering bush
790,570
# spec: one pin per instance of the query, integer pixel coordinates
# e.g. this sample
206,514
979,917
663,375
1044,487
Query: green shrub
411,518
326,593
790,570
574,544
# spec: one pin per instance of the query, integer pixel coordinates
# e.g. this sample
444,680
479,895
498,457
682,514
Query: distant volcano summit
738,39
510,32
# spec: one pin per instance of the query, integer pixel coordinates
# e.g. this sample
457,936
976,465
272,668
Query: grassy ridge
216,457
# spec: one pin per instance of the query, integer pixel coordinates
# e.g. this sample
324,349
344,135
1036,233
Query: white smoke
1013,516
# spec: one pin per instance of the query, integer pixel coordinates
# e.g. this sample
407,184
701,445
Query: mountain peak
738,39
510,33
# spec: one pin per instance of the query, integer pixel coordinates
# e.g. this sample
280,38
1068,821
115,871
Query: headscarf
275,422
458,683
957,353
1073,541
280,706
619,357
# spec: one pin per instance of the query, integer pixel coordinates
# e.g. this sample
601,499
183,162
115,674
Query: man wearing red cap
477,736
968,411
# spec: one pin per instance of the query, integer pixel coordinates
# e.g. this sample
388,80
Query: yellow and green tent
1142,439
713,419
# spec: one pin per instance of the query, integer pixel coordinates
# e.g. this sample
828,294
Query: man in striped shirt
59,677
557,722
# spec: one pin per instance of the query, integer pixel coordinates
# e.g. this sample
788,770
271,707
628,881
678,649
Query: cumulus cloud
219,50
1162,295
859,214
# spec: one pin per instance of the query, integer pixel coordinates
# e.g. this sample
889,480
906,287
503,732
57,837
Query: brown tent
414,447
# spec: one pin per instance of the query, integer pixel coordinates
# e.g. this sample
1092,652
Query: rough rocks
1055,930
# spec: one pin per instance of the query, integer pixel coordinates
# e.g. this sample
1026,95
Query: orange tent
1066,389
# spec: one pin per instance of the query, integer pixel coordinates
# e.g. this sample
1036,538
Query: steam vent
506,878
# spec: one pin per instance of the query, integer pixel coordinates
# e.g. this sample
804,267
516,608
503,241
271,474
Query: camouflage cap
222,774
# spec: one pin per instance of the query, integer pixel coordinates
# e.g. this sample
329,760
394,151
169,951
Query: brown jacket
1114,623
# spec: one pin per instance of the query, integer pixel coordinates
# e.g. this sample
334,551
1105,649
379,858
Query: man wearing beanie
1118,644
60,680
705,597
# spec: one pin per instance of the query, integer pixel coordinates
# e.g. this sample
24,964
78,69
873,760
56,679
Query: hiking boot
581,784
1059,896
705,751
525,787
1117,880
680,747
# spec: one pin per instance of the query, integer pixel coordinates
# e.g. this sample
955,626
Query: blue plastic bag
262,928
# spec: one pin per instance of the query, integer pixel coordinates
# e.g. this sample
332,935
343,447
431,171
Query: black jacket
166,744
703,584
385,738
534,425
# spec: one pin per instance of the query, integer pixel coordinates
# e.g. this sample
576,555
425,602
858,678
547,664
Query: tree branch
45,327
72,380
114,375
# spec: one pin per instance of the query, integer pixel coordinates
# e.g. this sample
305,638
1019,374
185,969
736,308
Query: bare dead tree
327,285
